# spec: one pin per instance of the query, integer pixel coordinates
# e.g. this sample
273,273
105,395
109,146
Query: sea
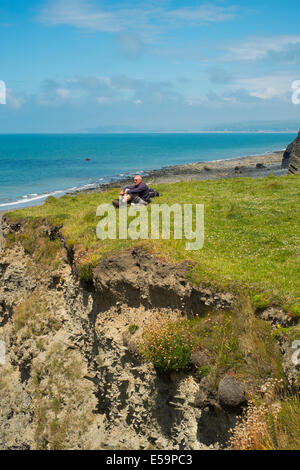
35,166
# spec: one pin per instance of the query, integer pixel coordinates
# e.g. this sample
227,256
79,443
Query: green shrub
85,272
260,302
294,311
168,344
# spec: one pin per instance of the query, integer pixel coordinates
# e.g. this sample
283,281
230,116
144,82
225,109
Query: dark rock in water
231,393
291,157
260,166
87,159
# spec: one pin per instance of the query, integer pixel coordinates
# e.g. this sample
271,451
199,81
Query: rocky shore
256,166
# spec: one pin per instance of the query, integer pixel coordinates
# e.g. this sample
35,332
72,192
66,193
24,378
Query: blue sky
71,65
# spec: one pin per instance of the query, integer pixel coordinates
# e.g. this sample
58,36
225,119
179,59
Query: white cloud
147,20
15,102
268,86
103,100
196,100
131,45
259,47
63,93
78,13
204,13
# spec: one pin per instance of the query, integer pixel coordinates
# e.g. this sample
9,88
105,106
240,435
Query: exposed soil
75,362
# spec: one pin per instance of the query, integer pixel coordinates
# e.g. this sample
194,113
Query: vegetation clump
167,344
260,302
237,342
63,401
271,422
46,251
32,317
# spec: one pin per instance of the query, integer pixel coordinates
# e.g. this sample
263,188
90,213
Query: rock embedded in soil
231,392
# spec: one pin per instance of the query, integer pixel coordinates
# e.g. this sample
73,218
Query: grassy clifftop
252,234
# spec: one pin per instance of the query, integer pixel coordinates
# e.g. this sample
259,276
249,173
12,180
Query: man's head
137,179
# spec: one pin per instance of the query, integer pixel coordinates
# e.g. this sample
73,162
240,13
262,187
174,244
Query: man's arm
137,189
123,191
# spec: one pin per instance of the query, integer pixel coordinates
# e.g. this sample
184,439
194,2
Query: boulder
291,157
199,358
260,166
231,393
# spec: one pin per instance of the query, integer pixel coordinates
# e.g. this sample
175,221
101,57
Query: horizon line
154,132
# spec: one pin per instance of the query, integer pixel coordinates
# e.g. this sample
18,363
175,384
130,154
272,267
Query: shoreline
244,166
255,166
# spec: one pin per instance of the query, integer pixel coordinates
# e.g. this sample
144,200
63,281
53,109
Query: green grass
252,233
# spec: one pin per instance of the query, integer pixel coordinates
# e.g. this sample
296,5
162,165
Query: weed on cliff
167,344
214,344
32,317
63,401
271,422
47,252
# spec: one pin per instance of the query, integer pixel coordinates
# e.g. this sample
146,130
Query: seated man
137,193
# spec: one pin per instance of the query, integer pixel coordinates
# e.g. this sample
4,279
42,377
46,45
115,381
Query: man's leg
137,201
122,201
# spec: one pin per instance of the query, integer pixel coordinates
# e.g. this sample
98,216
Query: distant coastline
95,132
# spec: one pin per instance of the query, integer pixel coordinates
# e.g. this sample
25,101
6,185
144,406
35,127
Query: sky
84,65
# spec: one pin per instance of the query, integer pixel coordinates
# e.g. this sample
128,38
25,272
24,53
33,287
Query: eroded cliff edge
72,378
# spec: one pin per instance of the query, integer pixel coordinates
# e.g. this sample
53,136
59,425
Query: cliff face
72,377
291,157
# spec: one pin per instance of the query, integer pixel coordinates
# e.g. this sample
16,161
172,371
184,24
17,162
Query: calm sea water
32,167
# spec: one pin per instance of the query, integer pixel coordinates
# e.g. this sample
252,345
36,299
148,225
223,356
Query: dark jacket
140,190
